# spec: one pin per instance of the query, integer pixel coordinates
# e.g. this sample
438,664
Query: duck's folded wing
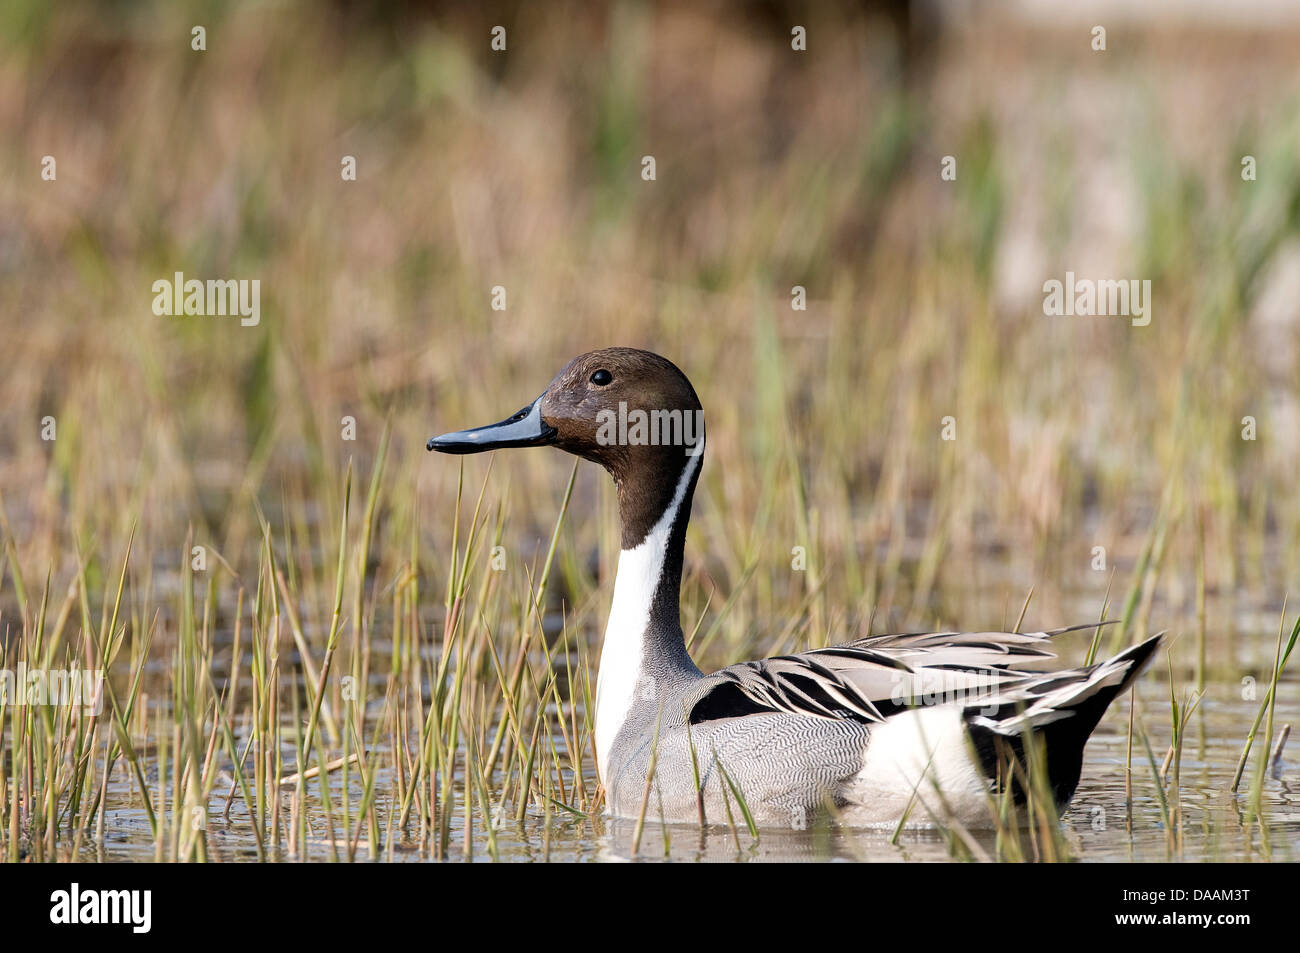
872,678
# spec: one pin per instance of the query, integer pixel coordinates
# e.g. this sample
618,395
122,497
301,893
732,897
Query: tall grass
346,675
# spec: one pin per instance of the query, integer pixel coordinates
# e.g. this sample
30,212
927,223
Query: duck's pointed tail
1061,708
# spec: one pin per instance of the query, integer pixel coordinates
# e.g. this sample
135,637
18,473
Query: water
1097,826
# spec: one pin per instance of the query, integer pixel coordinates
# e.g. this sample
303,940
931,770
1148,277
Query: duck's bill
523,429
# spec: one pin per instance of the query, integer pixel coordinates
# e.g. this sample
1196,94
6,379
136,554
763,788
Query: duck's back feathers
875,677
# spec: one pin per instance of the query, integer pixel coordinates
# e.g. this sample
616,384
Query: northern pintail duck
881,728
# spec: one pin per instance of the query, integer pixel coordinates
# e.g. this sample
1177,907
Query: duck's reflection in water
819,842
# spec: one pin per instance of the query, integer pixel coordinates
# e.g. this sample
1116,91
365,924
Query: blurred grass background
775,168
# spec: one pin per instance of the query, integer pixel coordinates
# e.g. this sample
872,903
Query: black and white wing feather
872,678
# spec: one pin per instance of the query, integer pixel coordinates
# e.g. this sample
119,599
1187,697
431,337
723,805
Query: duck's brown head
631,411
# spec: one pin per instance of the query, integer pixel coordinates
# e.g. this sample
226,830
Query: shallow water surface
1216,824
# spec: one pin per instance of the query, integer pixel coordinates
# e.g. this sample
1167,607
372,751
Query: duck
916,730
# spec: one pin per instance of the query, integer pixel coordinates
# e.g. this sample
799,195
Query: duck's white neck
644,627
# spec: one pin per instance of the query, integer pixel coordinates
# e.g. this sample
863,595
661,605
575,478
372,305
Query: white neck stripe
621,681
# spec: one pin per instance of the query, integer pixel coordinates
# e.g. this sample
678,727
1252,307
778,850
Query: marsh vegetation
323,643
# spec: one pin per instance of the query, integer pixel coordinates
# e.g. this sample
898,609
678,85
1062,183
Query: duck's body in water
868,731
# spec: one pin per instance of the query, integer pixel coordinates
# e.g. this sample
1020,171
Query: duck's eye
601,377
